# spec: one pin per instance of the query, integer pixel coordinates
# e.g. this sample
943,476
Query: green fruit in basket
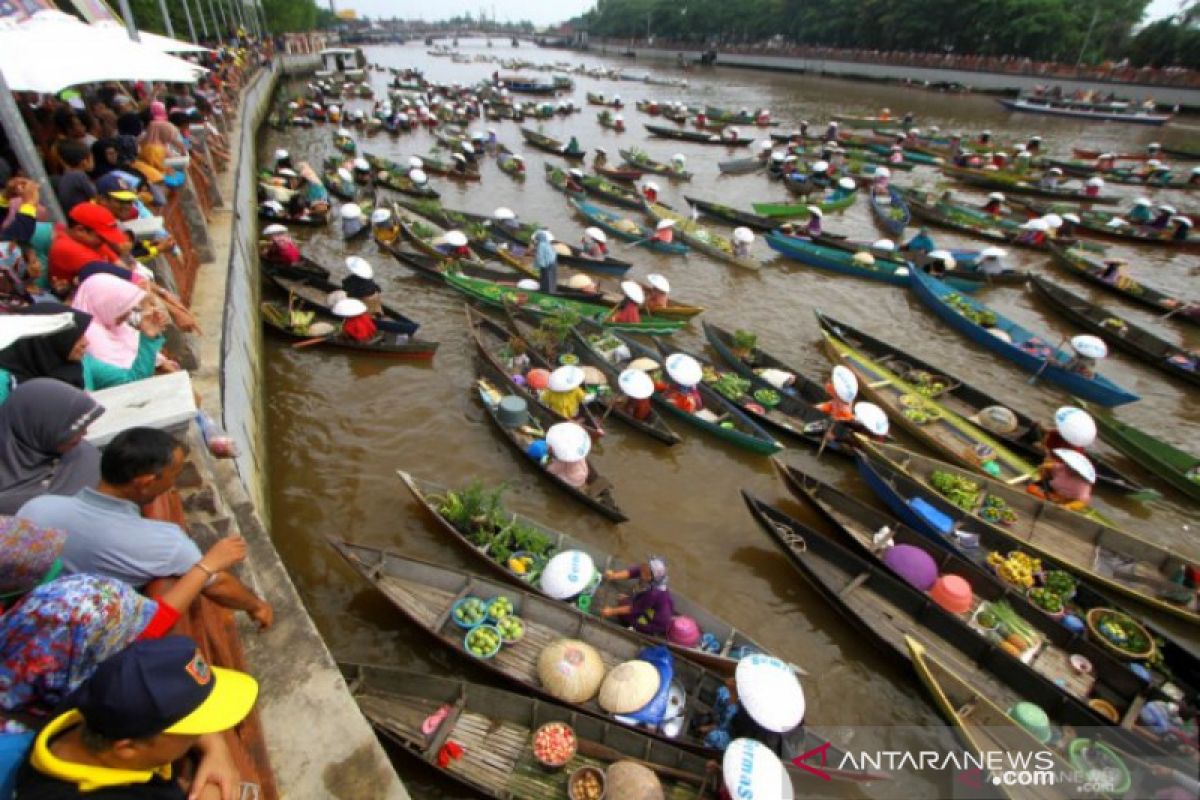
500,608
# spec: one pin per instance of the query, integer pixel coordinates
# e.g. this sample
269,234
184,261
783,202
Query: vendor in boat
582,283
1141,213
879,182
1086,351
764,151
939,263
362,172
1162,216
1093,186
831,132
515,357
279,248
619,123
545,261
1069,480
991,261
594,244
272,209
650,608
357,323
1070,224
896,154
600,159
573,146
460,165
664,231
1154,171
283,160
658,290
1050,179
418,177
678,163
763,117
1033,232
764,701
985,138
1114,271
1183,227
628,310
841,388
353,220
316,196
636,389
468,152
360,284
1034,145
684,373
812,228
384,226
731,134
650,191
742,239
454,245
574,181
995,204
506,218
564,394
569,445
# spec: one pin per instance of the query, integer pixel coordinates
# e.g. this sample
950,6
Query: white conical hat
349,307
418,176
504,213
528,285
415,163
344,174
566,378
567,574
743,235
597,235
381,215
362,165
580,281
871,417
350,211
633,291
1090,346
1075,425
884,244
1078,462
360,266
820,166
658,282
456,239
847,183
274,230
845,384
770,692
751,771
635,383
683,369
568,441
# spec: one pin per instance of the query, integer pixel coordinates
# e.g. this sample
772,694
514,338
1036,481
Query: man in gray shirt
107,535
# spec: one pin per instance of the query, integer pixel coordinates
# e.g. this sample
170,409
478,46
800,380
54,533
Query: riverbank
318,743
1188,99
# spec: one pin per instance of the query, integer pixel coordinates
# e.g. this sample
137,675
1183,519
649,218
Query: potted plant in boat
744,343
553,333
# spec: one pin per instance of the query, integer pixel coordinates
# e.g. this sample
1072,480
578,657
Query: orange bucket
952,593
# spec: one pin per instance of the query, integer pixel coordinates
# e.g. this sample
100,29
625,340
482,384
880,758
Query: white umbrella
753,772
162,44
52,51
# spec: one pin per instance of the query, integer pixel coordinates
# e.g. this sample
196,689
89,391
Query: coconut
571,671
628,780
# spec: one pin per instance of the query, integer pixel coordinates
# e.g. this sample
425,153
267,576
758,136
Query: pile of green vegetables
960,304
925,383
731,386
479,514
999,615
960,491
1123,632
1046,600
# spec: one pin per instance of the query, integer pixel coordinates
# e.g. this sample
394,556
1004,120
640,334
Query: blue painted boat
832,259
625,229
891,215
1024,348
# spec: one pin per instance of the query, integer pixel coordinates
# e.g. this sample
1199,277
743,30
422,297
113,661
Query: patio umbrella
163,44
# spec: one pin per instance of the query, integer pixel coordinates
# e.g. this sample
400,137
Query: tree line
1043,30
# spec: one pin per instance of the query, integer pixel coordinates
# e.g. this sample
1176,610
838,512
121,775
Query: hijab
53,640
102,166
47,356
39,417
109,298
29,555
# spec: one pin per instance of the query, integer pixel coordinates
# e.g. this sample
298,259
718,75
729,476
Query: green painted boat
1180,469
497,296
644,162
701,238
1019,184
800,210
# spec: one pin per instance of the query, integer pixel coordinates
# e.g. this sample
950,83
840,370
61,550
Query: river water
340,426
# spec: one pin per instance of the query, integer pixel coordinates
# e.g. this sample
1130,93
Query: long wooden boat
645,163
367,204
697,137
741,166
1110,225
732,643
1116,561
1016,184
399,182
491,337
1122,176
856,522
1176,467
625,229
887,610
448,170
731,215
1078,264
495,728
931,423
653,425
719,417
314,293
425,593
966,400
1065,108
339,188
1122,334
557,178
1019,345
597,494
305,220
841,262
891,213
596,186
276,316
800,210
945,215
749,365
701,238
303,270
550,145
621,174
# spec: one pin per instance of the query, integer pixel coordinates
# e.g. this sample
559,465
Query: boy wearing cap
142,709
92,235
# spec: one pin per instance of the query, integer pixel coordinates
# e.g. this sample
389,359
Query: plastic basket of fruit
469,612
483,641
1120,633
498,608
525,565
586,783
768,397
512,629
554,745
1061,583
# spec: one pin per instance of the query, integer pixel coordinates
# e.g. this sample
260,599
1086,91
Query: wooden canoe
740,429
701,238
1109,225
1121,333
623,174
1015,184
887,610
314,293
968,401
653,426
596,495
931,423
1176,467
549,145
954,218
857,523
741,166
626,229
303,221
891,213
800,210
734,216
640,160
495,728
491,337
305,269
341,189
425,593
804,388
1117,562
841,262
1081,266
732,643
275,316
1020,346
697,137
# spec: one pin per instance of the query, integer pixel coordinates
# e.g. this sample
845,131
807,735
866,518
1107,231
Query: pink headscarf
109,298
158,111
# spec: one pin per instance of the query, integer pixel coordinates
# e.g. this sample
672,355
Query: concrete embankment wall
1163,95
318,742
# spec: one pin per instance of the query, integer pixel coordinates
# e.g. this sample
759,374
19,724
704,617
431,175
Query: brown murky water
340,426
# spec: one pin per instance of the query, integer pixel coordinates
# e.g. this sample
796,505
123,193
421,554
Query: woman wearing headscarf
116,307
56,355
650,609
30,555
42,450
545,259
129,131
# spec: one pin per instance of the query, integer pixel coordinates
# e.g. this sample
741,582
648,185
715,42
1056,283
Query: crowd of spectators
97,698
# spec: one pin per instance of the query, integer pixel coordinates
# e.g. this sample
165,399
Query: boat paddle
310,342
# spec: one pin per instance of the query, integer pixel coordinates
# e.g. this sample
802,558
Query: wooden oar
602,752
310,342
